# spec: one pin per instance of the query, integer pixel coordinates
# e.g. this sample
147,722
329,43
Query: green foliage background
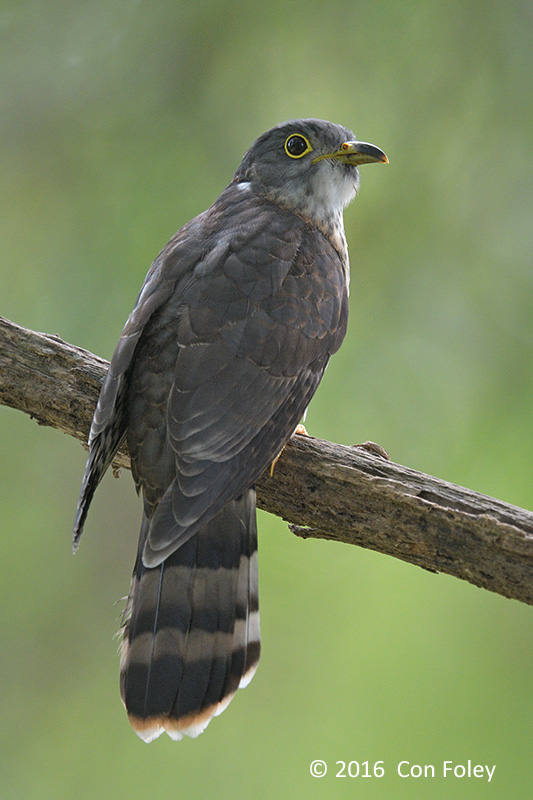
119,121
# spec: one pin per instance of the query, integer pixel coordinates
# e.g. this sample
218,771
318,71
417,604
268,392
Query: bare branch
322,489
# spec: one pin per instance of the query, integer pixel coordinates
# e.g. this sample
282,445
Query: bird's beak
356,153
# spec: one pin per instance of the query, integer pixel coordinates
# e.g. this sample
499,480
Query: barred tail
191,630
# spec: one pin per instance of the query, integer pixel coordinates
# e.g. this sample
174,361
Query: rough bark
323,490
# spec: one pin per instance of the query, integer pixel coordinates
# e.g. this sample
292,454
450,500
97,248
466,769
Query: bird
234,326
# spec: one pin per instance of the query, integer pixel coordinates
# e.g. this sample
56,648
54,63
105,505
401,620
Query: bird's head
309,166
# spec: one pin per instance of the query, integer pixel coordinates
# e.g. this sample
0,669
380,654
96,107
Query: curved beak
357,153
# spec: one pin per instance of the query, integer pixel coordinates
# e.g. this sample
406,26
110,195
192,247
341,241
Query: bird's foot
300,431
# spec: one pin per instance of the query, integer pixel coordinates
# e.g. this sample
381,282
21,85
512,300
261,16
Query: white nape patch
149,734
243,185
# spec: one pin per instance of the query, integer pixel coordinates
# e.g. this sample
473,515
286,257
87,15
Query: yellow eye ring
297,145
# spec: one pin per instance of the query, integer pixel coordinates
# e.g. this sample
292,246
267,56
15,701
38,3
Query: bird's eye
297,145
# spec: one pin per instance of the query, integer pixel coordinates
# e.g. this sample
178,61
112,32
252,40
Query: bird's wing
255,328
108,427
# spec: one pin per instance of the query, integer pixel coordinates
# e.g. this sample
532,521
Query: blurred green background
120,121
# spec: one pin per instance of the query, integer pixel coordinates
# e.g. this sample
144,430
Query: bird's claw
300,431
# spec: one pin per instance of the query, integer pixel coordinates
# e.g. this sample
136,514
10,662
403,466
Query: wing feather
254,336
218,361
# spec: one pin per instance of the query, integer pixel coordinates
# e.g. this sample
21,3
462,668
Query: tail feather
253,636
191,630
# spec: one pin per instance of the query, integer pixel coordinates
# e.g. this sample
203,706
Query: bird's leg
300,430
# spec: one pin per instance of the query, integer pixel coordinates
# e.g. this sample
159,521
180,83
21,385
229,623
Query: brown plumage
230,336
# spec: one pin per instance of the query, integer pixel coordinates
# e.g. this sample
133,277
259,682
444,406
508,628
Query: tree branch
324,490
